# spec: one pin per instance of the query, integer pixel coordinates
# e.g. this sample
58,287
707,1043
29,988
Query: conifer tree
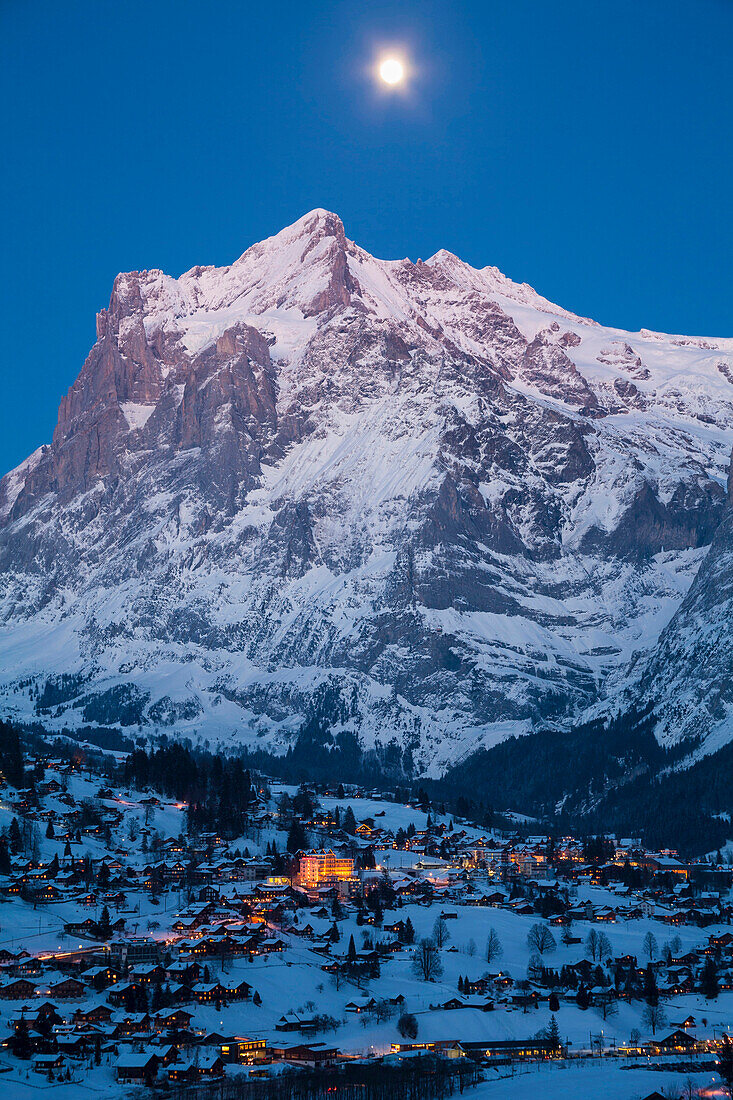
553,1033
105,925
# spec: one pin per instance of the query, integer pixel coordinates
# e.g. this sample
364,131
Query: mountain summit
317,494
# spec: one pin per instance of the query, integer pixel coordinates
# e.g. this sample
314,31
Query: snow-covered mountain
316,490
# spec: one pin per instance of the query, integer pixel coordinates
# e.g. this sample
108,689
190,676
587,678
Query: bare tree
689,1090
591,944
650,945
426,963
324,1022
534,967
494,950
541,939
653,1017
605,951
383,1010
441,935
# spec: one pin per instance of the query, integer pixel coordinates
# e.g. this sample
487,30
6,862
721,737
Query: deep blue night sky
583,148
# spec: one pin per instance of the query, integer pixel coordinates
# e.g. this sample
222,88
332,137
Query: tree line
426,1077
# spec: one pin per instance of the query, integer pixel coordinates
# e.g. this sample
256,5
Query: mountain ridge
414,502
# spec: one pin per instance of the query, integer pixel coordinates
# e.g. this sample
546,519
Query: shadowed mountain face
688,678
412,501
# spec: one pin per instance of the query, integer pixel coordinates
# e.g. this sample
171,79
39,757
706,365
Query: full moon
391,70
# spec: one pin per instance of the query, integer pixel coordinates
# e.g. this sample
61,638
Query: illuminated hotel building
324,869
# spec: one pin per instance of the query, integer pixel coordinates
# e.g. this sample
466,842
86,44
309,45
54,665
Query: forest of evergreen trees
601,777
218,788
531,774
11,755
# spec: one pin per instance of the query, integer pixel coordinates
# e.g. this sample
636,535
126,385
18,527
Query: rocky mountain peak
412,503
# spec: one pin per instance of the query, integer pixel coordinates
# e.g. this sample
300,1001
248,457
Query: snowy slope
313,489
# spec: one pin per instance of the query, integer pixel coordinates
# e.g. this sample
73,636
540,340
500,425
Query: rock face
414,501
688,677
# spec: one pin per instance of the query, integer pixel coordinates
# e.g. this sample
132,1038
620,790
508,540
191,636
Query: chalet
43,895
601,994
722,944
167,1054
209,992
86,927
449,1005
26,967
316,1054
99,976
362,1005
210,1065
51,786
20,989
186,972
67,989
271,944
676,1042
179,994
130,1023
480,985
134,1067
207,1066
119,994
46,1013
183,1073
524,908
239,991
176,1019
292,1022
147,974
47,1063
100,1014
72,1042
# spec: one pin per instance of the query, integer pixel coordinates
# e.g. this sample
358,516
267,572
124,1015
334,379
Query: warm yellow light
391,70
